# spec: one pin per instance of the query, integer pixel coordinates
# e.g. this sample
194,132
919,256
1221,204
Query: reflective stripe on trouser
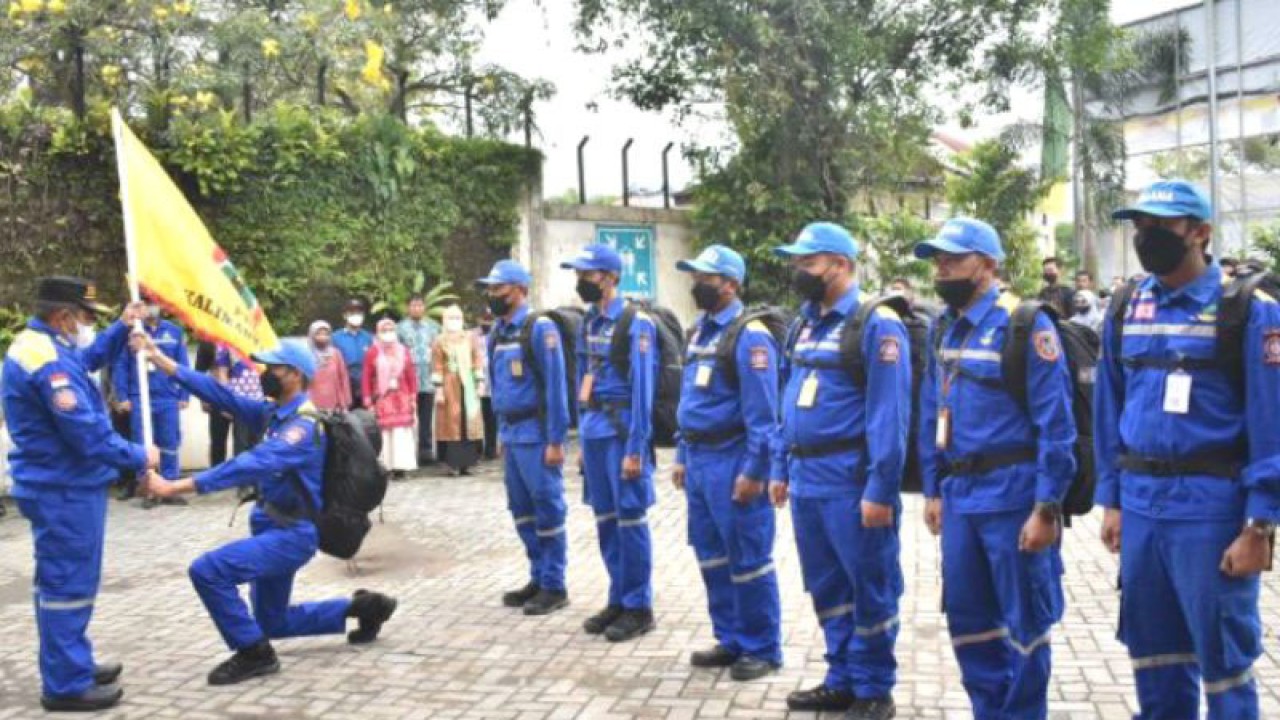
68,528
734,547
1001,604
1180,616
854,578
268,560
167,430
622,524
535,497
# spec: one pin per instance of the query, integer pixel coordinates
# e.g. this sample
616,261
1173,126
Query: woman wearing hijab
390,387
457,371
331,388
1087,310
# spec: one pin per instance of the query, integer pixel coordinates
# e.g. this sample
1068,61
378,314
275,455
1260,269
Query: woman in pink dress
390,387
331,388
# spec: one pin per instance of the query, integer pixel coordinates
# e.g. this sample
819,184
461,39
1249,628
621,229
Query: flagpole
131,255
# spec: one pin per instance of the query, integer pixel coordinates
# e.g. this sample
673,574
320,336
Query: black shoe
126,492
821,699
872,709
749,668
148,503
630,624
517,598
98,697
175,500
372,609
251,662
717,657
107,673
601,621
546,602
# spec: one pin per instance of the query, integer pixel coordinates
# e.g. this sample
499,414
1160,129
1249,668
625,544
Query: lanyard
951,369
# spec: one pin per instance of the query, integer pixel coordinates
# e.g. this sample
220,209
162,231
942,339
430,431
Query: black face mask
808,286
706,296
271,385
499,306
589,291
956,293
1160,250
1051,278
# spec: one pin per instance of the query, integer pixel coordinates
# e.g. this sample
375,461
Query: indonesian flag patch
59,380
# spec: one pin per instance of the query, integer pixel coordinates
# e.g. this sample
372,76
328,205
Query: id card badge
943,438
584,390
808,391
1177,393
517,368
703,376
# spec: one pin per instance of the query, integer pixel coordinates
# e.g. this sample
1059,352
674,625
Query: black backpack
354,482
850,358
917,324
1081,348
671,344
568,321
773,318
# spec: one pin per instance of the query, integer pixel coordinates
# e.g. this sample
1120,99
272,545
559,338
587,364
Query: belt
280,517
1222,463
712,437
828,448
980,463
607,405
519,415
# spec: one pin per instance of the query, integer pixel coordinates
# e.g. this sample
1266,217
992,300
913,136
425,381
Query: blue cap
293,353
507,272
820,237
595,257
960,236
1169,198
717,260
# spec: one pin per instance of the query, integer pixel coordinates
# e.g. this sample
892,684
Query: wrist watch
1049,510
1258,526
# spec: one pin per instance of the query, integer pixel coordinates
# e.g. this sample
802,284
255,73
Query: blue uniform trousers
622,524
68,525
268,561
734,546
535,497
167,434
1000,604
1182,618
853,576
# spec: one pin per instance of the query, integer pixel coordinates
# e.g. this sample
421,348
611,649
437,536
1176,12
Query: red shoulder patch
759,358
643,344
65,400
890,350
294,434
1047,346
1271,346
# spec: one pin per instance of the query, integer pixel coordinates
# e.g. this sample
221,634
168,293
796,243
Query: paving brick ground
447,550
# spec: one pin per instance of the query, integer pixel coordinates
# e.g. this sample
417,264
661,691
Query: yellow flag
174,259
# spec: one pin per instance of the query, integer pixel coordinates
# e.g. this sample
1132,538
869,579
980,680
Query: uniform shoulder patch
1271,346
64,400
890,350
759,358
294,434
1046,342
643,343
551,338
32,350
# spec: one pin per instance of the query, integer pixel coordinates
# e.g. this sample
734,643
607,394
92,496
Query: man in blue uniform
353,341
532,408
728,421
286,464
1188,466
994,475
840,458
64,457
168,398
616,428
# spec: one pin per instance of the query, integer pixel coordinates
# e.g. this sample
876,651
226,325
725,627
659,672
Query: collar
725,316
517,319
282,412
39,326
979,310
1201,290
349,331
847,304
611,312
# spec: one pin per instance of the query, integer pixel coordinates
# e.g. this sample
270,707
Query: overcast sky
536,39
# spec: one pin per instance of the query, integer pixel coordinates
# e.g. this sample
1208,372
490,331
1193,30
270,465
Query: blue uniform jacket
989,420
170,339
841,410
58,421
609,386
1129,414
353,346
716,405
515,387
290,449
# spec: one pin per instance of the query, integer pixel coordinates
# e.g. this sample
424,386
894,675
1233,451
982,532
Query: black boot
517,598
546,602
631,624
98,697
251,662
372,609
601,621
107,673
717,657
820,699
750,668
872,709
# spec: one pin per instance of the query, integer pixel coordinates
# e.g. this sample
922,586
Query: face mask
706,296
589,291
271,385
956,293
453,324
355,320
1051,278
499,306
808,286
388,336
1160,250
322,343
85,334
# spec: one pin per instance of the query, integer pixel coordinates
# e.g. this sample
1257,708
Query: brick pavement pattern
447,550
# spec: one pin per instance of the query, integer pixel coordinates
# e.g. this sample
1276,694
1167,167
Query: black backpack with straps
850,358
774,320
670,375
354,482
568,321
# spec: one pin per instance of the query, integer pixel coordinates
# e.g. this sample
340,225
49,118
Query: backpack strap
620,345
727,349
1233,318
855,332
1119,309
1013,356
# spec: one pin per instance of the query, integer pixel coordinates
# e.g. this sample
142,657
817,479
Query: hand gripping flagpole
131,254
